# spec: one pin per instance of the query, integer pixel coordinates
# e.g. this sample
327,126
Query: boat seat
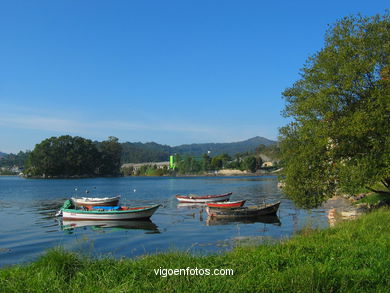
106,208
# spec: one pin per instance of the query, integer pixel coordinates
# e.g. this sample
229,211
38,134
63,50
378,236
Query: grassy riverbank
352,257
374,199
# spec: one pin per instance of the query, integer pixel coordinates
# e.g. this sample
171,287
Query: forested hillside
137,152
154,152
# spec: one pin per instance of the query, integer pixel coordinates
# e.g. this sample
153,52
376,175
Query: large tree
63,156
339,137
111,151
67,156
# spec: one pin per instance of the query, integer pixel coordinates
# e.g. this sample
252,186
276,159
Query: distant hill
153,152
219,148
138,152
2,154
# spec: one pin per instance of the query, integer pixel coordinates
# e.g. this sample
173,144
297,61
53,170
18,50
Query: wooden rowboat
96,201
244,212
69,212
226,204
191,198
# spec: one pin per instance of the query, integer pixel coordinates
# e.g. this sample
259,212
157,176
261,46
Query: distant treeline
68,156
190,165
145,152
11,160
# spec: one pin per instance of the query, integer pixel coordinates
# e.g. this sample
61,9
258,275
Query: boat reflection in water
148,225
191,205
212,221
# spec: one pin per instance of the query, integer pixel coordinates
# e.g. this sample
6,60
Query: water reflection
191,205
147,225
47,208
29,226
212,221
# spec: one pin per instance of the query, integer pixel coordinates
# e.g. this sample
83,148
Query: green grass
374,198
351,257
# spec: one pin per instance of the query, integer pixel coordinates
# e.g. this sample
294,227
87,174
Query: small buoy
135,190
87,191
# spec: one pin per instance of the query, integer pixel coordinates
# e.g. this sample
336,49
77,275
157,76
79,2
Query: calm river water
28,226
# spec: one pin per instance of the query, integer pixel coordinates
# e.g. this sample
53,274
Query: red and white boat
192,198
226,204
96,201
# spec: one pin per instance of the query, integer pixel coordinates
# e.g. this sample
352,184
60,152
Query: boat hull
131,214
95,201
227,204
203,199
244,212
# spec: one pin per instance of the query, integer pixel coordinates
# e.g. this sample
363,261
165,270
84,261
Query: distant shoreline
220,173
151,176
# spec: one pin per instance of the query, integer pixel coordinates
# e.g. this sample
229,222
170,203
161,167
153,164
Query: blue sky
172,72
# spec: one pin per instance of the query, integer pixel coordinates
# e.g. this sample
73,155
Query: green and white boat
96,213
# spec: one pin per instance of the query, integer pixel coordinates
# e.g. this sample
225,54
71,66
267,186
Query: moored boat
245,212
192,198
226,204
69,212
96,201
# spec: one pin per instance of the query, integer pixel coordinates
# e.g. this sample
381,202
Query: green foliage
145,152
351,257
127,171
7,172
340,136
67,156
111,152
374,198
189,165
206,162
152,152
63,156
220,161
146,170
222,148
250,164
272,151
11,160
